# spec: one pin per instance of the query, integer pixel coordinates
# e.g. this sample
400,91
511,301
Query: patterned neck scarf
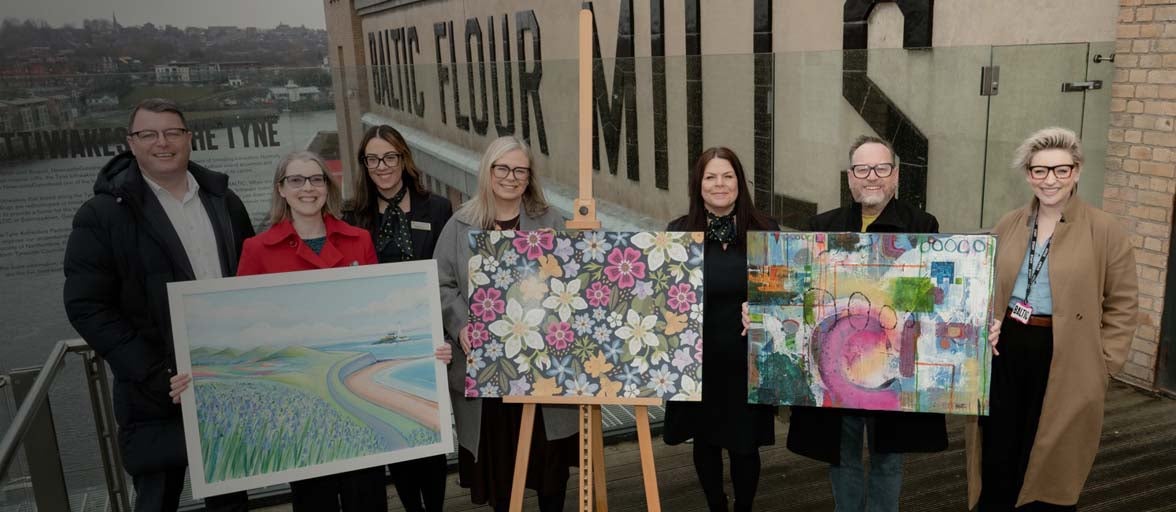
720,229
395,226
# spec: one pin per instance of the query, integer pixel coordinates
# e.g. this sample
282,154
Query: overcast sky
182,13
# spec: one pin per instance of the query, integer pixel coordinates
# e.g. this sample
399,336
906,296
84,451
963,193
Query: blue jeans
851,491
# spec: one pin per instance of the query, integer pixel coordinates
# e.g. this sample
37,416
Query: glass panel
1096,119
1031,98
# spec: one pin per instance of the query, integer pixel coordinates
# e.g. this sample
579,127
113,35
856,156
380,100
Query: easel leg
522,456
587,435
648,472
598,465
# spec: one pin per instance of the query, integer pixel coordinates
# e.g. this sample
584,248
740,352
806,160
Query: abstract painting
585,316
892,322
304,374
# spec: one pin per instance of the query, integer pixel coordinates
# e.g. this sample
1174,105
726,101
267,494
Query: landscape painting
585,316
304,374
893,322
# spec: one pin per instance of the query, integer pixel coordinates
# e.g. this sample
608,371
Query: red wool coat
279,249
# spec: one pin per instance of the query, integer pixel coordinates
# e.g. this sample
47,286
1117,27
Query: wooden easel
593,495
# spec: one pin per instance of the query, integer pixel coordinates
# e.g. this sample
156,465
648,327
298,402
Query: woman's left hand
444,353
994,335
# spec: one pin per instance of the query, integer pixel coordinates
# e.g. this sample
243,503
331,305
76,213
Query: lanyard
1040,262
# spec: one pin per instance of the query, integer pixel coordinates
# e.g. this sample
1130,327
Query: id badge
1021,311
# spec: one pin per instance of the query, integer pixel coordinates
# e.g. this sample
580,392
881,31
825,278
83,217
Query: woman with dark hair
404,220
721,205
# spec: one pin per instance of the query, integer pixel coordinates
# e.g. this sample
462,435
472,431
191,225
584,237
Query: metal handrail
37,397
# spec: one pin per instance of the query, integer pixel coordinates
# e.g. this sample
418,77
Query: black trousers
354,491
1019,377
160,492
745,473
420,483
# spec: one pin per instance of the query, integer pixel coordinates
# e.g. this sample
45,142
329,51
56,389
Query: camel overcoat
1093,285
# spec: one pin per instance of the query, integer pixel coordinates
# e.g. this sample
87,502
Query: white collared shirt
191,222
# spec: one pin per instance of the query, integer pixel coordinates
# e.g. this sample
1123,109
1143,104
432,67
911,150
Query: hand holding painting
746,320
994,335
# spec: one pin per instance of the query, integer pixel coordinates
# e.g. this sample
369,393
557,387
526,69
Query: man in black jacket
155,218
835,435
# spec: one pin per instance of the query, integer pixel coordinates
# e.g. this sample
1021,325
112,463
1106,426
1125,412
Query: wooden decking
1135,470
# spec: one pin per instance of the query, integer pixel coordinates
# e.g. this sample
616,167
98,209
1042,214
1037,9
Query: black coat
723,417
426,209
815,432
120,256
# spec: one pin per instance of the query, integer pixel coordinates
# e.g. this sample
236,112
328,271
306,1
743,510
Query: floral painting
585,315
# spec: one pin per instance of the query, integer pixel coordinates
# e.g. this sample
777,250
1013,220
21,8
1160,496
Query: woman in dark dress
404,220
721,205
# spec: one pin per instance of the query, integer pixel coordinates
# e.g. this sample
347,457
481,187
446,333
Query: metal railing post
104,424
42,454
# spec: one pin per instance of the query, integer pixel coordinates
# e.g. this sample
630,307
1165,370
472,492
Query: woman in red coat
305,234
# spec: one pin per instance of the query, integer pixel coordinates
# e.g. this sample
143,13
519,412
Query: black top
723,418
815,432
427,214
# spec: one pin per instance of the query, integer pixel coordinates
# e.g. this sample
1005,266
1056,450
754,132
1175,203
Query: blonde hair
279,209
479,210
1047,138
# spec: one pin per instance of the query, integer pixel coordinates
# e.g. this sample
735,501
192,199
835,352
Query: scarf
720,229
394,228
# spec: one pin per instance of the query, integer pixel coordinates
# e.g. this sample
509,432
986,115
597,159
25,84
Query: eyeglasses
150,136
502,171
390,160
862,171
1061,172
297,181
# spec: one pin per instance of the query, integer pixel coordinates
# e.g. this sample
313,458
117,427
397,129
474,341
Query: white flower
662,244
518,328
564,298
638,331
640,365
614,319
490,390
490,265
522,363
630,391
696,276
493,350
509,258
477,277
659,356
496,235
691,390
661,381
696,312
543,362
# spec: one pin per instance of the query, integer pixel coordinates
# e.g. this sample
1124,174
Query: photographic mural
304,374
878,321
586,315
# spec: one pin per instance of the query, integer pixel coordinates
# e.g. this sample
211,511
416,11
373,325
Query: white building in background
294,93
186,72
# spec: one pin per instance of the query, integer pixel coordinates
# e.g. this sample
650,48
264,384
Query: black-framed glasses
502,171
298,180
149,136
390,160
1061,172
862,171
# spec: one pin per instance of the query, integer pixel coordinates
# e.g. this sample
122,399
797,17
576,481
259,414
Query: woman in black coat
404,219
721,205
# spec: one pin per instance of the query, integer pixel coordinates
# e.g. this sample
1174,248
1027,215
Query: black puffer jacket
121,254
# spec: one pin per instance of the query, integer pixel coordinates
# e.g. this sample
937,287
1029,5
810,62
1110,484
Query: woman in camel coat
1050,371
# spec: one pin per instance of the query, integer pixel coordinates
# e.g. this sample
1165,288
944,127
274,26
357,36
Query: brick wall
1141,162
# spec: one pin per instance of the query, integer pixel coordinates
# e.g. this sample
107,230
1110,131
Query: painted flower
559,335
599,314
490,265
611,348
471,389
477,334
638,331
696,312
561,369
681,297
698,350
643,289
493,350
598,294
497,235
631,375
624,267
477,277
696,255
502,279
520,387
518,328
691,389
582,324
490,390
615,319
533,289
662,380
602,334
487,304
682,358
564,298
563,249
532,244
527,267
631,391
640,364
581,387
593,247
658,246
571,268
510,258
474,362
619,239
